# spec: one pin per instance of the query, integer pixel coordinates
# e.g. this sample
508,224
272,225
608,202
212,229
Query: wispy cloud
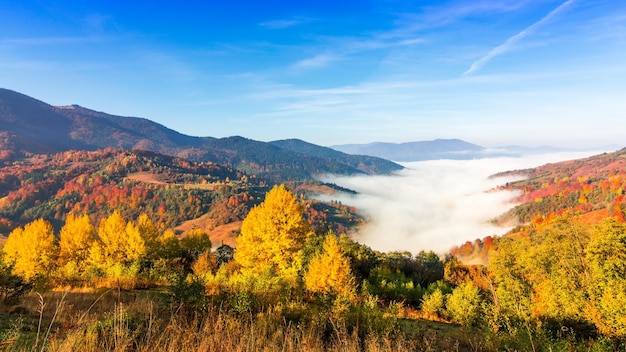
437,16
317,61
285,23
514,40
345,48
42,41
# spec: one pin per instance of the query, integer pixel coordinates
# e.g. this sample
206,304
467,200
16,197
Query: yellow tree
75,238
149,234
272,237
75,241
135,244
606,255
329,272
32,250
120,242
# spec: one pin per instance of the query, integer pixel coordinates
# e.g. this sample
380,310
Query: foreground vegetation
288,287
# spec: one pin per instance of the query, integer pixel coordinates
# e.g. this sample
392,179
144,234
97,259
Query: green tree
434,303
194,244
168,245
464,304
12,286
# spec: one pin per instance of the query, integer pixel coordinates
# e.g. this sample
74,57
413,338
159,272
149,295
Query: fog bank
434,205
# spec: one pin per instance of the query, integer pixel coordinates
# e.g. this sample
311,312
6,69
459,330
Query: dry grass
143,321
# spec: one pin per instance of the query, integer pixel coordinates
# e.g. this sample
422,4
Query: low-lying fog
434,205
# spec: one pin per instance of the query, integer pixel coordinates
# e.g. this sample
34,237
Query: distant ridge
454,149
28,125
369,164
415,151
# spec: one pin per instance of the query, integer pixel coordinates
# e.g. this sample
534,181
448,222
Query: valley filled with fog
437,204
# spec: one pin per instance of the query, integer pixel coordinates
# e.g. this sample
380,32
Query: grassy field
149,321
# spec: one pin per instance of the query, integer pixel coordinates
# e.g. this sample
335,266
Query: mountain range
30,126
454,149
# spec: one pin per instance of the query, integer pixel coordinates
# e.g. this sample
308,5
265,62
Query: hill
416,151
174,192
584,191
593,185
364,163
29,126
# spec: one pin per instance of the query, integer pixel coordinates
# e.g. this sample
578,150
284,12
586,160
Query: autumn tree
272,237
75,241
149,234
120,242
31,250
329,272
606,255
464,304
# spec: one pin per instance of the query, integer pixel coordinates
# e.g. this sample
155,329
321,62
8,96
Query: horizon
529,73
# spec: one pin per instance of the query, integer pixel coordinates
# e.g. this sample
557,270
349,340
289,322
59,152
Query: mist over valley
437,204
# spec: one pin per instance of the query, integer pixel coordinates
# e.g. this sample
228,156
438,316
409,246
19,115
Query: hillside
172,191
364,163
593,185
29,126
585,191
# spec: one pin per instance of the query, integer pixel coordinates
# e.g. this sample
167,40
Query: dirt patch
226,234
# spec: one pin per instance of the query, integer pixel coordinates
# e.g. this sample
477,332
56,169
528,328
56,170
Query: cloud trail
512,41
434,205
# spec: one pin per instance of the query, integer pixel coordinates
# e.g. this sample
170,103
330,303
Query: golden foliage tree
272,237
606,255
32,250
75,241
329,272
149,234
120,242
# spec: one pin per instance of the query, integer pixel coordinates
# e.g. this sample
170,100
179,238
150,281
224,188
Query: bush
464,304
12,287
433,304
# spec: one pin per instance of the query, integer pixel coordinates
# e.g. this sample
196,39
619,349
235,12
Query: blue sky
529,72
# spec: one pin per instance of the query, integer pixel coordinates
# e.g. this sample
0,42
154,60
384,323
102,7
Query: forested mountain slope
170,190
30,126
584,191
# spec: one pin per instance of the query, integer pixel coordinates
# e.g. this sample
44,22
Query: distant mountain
30,126
455,149
415,151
